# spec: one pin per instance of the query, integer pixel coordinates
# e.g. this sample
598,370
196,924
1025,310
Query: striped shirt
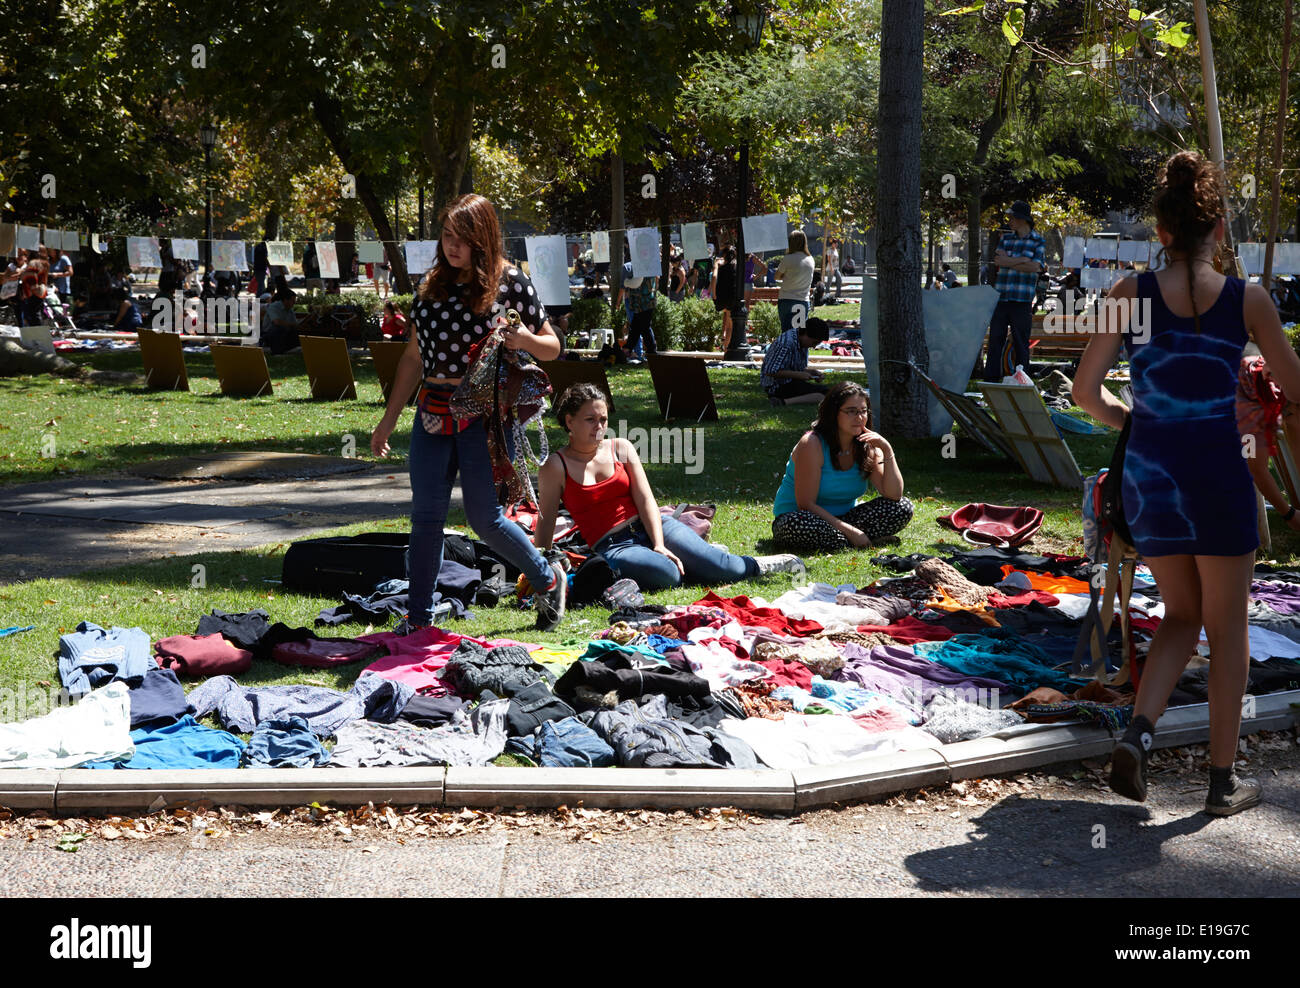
785,353
1021,286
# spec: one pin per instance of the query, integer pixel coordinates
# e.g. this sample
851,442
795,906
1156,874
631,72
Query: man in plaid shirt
1020,256
786,376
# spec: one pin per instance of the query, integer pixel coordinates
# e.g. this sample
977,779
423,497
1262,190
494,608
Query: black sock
1141,732
1220,779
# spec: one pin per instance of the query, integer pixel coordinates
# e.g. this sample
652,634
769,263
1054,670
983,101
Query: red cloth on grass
997,599
202,655
910,630
743,610
786,672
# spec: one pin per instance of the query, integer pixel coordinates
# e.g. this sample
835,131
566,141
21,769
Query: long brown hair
827,425
1188,202
472,219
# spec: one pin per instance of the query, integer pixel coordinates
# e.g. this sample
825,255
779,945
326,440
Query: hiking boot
784,563
1240,794
550,603
407,628
1128,771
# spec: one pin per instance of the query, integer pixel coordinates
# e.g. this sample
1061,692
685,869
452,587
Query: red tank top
597,508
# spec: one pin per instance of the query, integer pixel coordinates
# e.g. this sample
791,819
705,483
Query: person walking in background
1021,255
724,287
831,267
795,273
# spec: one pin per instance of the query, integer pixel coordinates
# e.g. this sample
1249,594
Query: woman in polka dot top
460,300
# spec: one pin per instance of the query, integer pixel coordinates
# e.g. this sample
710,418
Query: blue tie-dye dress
1187,488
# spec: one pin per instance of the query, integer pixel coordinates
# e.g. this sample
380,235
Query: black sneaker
1128,771
1243,794
550,603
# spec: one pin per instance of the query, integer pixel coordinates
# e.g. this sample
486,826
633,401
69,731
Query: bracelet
1290,514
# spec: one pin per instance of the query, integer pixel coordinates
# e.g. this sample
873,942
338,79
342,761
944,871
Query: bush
764,322
588,316
667,323
701,324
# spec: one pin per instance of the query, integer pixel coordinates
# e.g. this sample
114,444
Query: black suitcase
345,564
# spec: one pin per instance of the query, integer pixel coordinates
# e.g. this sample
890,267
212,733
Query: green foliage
587,316
764,322
667,323
701,324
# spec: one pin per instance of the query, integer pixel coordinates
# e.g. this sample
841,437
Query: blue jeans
1018,317
569,743
434,462
786,307
629,554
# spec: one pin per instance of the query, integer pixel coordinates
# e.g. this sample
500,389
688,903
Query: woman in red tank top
604,488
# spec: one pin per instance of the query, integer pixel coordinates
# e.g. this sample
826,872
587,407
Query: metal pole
207,214
738,345
1213,124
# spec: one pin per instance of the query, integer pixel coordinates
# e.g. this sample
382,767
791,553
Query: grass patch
744,455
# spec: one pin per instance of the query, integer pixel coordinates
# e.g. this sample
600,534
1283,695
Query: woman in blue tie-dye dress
1187,491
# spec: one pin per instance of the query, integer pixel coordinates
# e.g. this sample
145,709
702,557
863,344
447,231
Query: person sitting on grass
604,488
393,326
127,319
828,470
786,376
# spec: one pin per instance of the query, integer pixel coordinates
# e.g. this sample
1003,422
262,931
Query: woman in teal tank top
829,469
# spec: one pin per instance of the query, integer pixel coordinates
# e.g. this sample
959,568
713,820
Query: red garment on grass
418,659
202,655
743,610
786,672
321,653
910,630
998,599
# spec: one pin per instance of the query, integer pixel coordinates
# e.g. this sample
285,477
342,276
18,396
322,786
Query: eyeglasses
855,411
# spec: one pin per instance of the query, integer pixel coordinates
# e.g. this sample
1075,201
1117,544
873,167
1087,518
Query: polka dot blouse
447,330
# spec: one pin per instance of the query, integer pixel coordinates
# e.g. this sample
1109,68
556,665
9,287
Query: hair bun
1183,169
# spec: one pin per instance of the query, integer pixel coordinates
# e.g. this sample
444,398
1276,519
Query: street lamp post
208,135
750,26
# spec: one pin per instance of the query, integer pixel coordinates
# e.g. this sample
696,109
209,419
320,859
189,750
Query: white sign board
279,253
765,233
1102,248
1136,251
28,237
420,257
695,241
644,242
1286,259
143,252
229,255
369,252
1073,252
600,247
548,268
327,253
185,250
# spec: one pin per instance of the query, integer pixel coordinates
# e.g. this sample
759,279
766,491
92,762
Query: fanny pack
435,412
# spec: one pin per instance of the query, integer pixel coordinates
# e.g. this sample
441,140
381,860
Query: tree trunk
903,403
345,240
1277,151
665,227
271,225
616,231
330,117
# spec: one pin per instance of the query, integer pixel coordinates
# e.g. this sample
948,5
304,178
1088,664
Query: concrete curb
771,790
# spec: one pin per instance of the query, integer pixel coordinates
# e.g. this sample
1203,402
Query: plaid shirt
785,353
1020,286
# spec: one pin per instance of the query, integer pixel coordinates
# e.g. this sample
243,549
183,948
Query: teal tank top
837,491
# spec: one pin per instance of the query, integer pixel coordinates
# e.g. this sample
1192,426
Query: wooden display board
241,370
682,387
1027,423
329,371
563,373
164,361
386,355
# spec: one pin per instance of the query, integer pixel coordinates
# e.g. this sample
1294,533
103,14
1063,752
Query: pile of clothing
944,650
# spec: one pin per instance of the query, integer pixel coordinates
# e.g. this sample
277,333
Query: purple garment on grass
898,672
1281,597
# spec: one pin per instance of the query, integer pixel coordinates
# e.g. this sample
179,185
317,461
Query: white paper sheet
327,253
644,244
695,241
765,233
185,250
143,252
279,253
600,247
548,268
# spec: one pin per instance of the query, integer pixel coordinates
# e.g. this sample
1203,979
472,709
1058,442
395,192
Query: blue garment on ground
242,708
284,744
662,643
160,697
569,743
92,657
1069,423
603,646
1186,486
6,632
1010,660
184,744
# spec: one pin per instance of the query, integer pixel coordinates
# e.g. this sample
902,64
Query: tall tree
903,403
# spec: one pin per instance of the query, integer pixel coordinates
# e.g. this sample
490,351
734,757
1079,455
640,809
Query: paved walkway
1041,841
58,528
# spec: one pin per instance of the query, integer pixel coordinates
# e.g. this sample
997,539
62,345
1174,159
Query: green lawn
743,456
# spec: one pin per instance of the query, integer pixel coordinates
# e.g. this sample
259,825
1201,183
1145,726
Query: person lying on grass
604,488
828,470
